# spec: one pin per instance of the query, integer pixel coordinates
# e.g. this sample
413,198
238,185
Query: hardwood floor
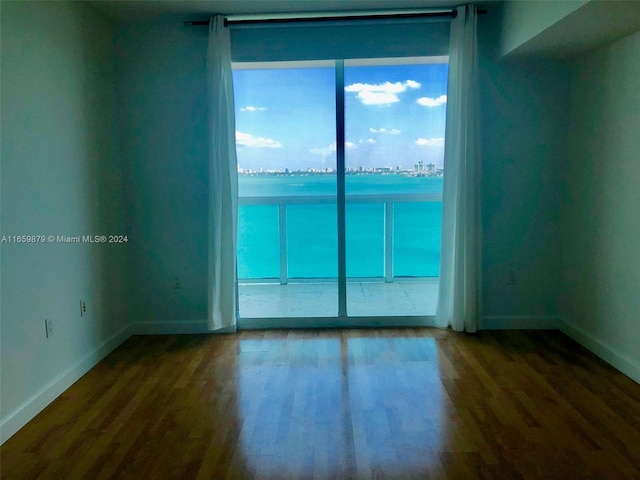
410,403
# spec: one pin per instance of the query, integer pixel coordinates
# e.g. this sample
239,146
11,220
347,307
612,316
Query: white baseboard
175,328
606,352
519,322
19,417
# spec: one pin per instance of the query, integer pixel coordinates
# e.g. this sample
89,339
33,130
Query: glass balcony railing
388,236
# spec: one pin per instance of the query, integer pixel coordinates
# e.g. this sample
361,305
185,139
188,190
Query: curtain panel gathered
458,299
223,180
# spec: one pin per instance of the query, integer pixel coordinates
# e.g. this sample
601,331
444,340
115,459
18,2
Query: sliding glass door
372,130
287,219
394,124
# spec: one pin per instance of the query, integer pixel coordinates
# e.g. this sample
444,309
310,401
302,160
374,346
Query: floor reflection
334,406
397,403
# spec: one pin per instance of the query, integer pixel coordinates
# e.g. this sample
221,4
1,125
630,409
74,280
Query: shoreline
405,173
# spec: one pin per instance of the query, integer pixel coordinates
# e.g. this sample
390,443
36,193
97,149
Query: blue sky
394,115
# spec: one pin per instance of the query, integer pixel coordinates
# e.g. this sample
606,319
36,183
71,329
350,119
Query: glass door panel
287,240
394,148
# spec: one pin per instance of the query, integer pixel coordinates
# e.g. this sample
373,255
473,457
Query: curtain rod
382,16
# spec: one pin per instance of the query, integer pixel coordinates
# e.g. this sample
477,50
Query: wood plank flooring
343,404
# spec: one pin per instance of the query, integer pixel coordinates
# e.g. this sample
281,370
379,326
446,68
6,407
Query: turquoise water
312,229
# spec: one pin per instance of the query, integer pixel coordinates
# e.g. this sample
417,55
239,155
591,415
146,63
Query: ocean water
312,229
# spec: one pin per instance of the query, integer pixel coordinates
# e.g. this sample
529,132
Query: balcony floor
400,298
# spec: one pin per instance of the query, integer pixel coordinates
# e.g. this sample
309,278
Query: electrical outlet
83,308
513,279
48,327
175,283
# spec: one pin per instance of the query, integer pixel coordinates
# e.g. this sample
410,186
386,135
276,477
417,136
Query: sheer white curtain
458,300
223,180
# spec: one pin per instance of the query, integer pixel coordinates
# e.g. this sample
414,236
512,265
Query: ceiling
143,10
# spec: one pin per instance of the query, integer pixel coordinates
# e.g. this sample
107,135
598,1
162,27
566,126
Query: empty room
328,239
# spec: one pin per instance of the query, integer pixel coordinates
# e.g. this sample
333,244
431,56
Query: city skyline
420,169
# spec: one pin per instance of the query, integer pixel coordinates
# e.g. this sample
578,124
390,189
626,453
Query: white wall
600,298
60,176
523,125
163,94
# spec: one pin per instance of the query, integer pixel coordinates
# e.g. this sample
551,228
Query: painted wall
163,94
600,298
523,128
60,176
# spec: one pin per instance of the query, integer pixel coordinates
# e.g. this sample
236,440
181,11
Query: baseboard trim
519,322
608,353
176,328
21,415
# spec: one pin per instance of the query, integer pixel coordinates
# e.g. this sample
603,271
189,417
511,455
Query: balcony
279,295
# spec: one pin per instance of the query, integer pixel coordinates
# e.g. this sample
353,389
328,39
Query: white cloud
250,141
377,98
251,108
432,102
370,141
382,93
430,142
393,131
331,148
